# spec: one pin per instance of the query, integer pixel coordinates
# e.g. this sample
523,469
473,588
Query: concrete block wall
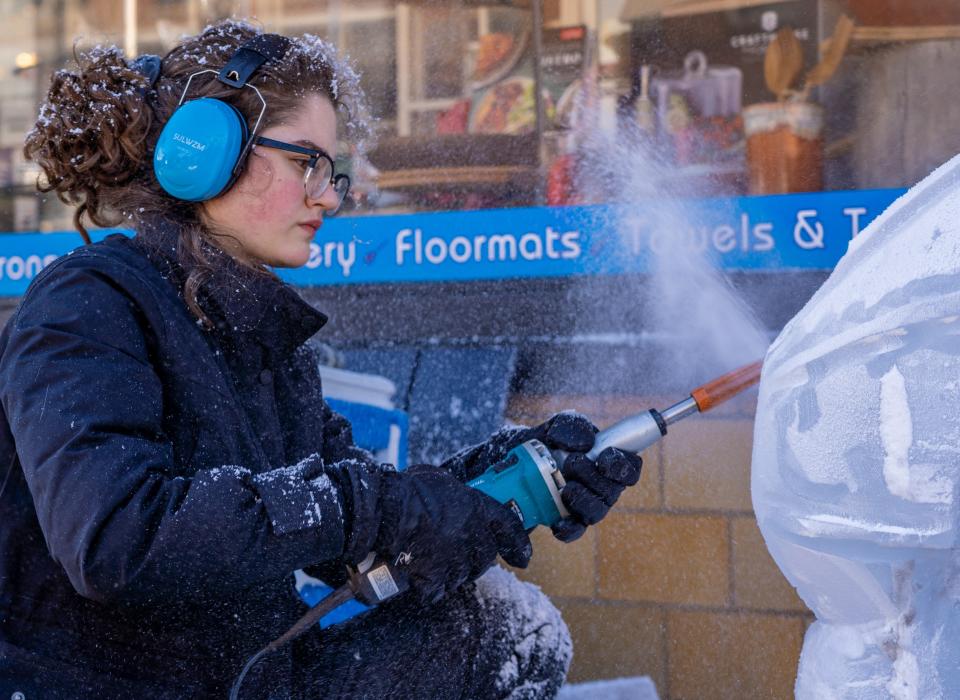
676,583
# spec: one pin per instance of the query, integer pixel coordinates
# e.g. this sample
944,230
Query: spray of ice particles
697,318
857,456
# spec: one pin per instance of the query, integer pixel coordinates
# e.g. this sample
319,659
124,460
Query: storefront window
731,98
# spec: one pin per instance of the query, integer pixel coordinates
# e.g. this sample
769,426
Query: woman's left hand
593,487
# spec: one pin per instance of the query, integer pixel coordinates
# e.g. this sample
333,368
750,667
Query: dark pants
495,638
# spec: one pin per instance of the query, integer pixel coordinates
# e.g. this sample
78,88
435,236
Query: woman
168,459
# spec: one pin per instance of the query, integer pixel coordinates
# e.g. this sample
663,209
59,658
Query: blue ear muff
198,149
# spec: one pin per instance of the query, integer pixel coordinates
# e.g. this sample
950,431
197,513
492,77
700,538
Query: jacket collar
244,304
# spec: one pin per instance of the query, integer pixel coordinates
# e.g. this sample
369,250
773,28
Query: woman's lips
310,226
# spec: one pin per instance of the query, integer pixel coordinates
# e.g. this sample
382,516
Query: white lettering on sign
333,253
806,234
460,249
762,39
854,213
16,267
411,247
769,21
502,244
724,239
572,58
750,236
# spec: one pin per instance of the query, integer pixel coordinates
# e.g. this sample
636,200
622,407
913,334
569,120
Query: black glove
450,533
593,487
567,431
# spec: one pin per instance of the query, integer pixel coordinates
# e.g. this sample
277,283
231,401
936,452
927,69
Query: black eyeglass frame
337,180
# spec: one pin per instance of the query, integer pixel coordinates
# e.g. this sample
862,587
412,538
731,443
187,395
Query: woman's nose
329,200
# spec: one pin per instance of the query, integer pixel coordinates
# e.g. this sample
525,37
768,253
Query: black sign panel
736,38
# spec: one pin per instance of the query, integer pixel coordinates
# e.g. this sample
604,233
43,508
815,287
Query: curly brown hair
96,131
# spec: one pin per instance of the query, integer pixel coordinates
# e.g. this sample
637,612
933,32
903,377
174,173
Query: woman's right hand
444,533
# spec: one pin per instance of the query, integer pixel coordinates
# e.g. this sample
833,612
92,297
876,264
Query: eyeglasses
319,173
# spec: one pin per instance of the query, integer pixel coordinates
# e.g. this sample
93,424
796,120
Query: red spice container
784,147
561,177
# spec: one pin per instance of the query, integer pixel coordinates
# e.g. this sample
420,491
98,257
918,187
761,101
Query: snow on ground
635,688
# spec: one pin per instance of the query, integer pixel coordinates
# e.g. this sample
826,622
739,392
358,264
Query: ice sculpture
857,456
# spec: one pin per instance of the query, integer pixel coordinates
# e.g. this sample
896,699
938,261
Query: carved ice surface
857,456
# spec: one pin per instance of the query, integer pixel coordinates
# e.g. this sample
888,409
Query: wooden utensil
792,56
782,62
824,70
772,66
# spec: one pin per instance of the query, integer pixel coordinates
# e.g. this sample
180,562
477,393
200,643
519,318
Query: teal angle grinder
529,480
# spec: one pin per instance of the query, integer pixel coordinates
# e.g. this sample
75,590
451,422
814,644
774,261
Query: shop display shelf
883,35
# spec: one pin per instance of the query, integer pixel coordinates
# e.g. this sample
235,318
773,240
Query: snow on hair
309,63
96,130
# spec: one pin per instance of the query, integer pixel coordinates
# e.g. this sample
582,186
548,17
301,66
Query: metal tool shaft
637,432
679,411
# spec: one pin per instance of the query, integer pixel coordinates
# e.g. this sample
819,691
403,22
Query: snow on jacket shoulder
176,476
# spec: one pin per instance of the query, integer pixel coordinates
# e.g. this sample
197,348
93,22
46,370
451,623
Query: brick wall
676,583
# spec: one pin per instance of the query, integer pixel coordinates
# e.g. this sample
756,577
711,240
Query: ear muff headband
203,145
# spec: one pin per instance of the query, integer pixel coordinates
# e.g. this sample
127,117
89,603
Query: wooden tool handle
719,390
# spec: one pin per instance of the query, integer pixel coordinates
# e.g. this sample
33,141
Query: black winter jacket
159,482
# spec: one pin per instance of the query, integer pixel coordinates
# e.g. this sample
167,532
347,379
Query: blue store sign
783,232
